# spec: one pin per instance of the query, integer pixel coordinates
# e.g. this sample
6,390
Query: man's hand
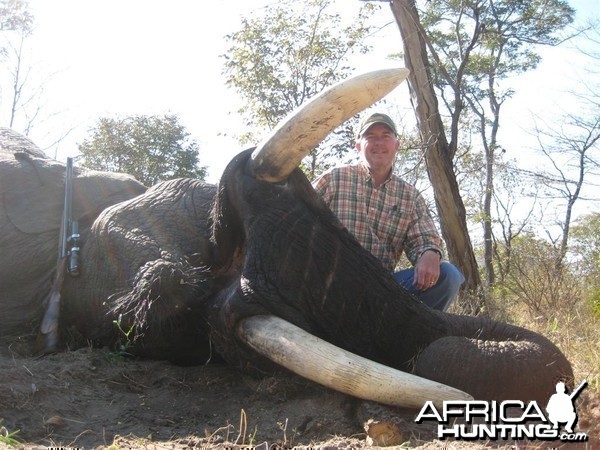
427,270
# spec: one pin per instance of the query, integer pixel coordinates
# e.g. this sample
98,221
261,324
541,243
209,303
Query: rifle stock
48,336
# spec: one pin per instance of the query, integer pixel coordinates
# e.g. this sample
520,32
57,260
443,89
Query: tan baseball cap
373,119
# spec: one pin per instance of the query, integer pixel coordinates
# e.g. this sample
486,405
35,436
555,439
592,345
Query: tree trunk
488,241
438,156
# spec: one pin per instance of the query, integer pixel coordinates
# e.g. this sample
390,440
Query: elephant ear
33,193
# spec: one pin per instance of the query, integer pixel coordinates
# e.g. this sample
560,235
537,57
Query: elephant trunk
499,358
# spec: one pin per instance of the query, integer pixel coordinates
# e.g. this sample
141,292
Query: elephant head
31,205
298,263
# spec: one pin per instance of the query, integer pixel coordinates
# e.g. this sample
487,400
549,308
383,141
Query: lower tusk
319,361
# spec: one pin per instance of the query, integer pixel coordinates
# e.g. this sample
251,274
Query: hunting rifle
68,261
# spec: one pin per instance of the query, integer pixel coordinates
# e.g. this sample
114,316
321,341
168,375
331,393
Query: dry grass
577,334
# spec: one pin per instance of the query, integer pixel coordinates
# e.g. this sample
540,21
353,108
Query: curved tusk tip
301,131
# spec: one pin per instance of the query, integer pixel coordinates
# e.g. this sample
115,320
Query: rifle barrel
578,389
66,218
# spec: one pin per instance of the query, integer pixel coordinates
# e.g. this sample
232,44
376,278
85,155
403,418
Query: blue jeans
440,295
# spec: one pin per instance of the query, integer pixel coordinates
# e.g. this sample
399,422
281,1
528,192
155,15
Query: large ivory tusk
301,131
324,363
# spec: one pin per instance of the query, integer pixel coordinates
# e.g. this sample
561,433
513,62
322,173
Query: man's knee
445,291
450,277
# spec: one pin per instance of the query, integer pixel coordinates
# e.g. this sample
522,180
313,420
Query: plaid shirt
386,220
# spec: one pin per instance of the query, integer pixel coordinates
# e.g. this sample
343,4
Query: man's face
377,147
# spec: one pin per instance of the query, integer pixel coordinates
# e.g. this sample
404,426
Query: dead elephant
248,267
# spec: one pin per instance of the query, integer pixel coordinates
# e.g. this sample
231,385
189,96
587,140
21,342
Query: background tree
534,282
278,61
15,16
574,152
15,25
510,225
24,98
463,50
571,144
515,200
151,148
23,85
585,252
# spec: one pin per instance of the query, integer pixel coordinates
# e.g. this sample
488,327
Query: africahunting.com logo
509,419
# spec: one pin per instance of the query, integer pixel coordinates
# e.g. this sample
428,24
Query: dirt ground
94,399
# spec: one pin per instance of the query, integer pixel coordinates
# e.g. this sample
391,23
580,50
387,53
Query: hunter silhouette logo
509,419
561,408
